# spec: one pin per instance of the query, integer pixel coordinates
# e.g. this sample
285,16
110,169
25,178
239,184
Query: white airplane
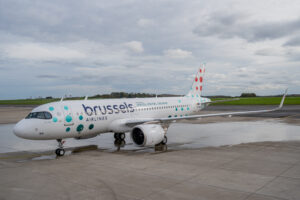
147,119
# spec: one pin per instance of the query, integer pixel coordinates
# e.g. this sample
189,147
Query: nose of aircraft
19,129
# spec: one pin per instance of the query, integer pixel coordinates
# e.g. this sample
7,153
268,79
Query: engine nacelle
147,134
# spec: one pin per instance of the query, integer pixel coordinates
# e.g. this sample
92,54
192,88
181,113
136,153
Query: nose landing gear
60,151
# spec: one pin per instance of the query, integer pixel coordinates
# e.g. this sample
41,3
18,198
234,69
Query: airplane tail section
197,86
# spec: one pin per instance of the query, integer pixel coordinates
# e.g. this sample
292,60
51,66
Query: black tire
60,152
122,136
56,152
117,136
165,140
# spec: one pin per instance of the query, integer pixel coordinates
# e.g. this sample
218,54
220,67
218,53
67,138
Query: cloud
294,42
47,76
239,25
145,22
41,51
177,53
105,46
134,46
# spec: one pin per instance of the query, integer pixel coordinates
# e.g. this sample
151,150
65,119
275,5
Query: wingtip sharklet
283,98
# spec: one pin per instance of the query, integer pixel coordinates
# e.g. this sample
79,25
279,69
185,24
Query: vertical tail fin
197,86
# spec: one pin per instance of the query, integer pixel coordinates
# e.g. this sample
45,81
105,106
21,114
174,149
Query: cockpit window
47,115
39,115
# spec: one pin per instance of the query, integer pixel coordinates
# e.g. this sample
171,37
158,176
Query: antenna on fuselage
86,97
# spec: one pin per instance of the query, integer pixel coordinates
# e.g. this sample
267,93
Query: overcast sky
53,48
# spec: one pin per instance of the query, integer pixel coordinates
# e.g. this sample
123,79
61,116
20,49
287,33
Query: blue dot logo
51,108
66,108
80,117
91,126
79,128
68,129
68,118
54,119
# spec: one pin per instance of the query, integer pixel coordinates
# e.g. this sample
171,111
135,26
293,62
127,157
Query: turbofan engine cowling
147,134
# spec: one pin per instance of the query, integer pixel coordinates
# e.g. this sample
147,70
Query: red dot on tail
200,70
196,87
200,88
201,79
196,79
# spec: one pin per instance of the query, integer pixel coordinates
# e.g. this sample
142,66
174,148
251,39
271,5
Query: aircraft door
68,115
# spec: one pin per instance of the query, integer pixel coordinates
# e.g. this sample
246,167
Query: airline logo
108,109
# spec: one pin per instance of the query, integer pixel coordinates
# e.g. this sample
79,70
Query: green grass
242,101
261,101
27,101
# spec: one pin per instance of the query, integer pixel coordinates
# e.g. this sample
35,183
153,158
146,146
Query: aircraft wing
134,122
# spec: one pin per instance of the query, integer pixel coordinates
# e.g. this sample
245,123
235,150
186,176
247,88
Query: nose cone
20,129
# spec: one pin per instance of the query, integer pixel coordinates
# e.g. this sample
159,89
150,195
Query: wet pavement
237,158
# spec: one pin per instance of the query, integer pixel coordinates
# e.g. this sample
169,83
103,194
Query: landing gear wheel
116,136
119,136
60,152
122,136
165,140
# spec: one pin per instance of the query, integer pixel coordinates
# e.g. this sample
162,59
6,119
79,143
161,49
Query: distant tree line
248,95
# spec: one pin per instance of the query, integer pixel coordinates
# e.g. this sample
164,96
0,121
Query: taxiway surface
253,171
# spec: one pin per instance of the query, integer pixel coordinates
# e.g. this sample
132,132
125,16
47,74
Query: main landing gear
119,140
60,151
162,146
119,136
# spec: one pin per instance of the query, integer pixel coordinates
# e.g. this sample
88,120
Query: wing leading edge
134,122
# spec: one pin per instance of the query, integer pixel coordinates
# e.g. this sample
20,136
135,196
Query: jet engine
147,134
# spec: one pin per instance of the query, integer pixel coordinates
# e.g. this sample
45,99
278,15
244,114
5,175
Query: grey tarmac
252,171
267,170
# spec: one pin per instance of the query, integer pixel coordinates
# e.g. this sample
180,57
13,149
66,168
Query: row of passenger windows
39,115
161,107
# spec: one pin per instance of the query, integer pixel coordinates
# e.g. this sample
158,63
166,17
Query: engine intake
147,134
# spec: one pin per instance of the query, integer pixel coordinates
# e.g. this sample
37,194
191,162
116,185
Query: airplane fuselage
88,118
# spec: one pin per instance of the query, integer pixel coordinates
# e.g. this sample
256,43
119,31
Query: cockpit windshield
39,115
